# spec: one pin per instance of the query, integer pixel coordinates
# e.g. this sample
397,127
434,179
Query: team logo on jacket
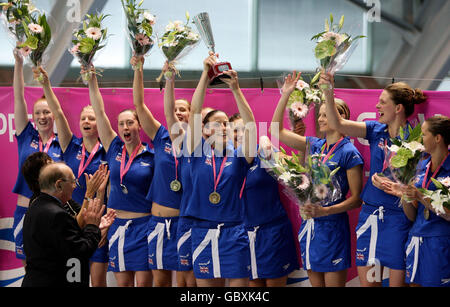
204,269
79,155
119,157
208,161
168,148
34,145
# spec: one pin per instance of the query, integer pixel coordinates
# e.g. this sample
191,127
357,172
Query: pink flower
25,51
94,33
35,28
321,191
299,109
142,39
75,49
301,85
445,181
304,182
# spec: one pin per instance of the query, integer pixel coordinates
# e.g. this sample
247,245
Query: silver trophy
204,28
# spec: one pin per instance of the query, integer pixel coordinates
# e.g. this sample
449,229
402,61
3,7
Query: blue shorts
325,244
128,250
220,250
162,243
428,261
381,237
272,249
184,244
101,254
19,215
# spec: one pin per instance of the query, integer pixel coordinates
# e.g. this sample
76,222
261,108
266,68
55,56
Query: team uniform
128,237
73,157
219,241
162,231
184,231
271,241
28,142
428,246
325,241
382,228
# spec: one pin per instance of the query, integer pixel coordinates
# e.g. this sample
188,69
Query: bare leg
239,282
258,283
162,278
98,274
124,279
214,282
277,282
144,279
336,279
397,278
317,279
370,276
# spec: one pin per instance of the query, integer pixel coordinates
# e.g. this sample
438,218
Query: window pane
286,28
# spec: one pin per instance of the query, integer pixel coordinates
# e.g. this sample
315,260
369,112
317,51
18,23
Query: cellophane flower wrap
140,24
439,198
333,48
176,42
403,156
88,41
38,36
12,13
312,182
302,100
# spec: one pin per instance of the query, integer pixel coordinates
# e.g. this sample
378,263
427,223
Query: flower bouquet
312,183
12,13
140,29
177,41
88,40
302,100
439,198
333,48
402,157
38,36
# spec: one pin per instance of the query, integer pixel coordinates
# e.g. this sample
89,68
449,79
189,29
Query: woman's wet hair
440,125
402,93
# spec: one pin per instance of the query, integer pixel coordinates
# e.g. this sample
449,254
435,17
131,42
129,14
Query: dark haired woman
382,228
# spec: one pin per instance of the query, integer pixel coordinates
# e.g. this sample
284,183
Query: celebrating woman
325,236
84,156
219,241
29,140
428,245
131,164
165,190
382,228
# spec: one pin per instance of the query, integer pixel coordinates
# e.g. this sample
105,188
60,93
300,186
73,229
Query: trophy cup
204,28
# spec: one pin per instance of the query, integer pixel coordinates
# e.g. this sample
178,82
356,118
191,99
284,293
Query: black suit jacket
57,250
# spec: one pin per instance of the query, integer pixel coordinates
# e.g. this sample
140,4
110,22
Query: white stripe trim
159,232
252,240
414,244
120,234
308,230
183,239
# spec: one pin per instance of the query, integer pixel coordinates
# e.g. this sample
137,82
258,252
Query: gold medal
175,185
214,198
426,213
124,189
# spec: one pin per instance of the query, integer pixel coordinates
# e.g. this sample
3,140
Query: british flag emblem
34,145
185,262
168,149
119,157
79,156
111,263
150,261
204,269
208,161
360,256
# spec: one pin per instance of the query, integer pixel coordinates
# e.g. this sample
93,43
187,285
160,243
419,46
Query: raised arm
173,125
249,141
335,121
105,131
286,136
148,122
20,105
197,102
64,132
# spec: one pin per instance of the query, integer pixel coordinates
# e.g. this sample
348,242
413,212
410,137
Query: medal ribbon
83,165
124,168
222,166
176,162
434,174
47,145
331,151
